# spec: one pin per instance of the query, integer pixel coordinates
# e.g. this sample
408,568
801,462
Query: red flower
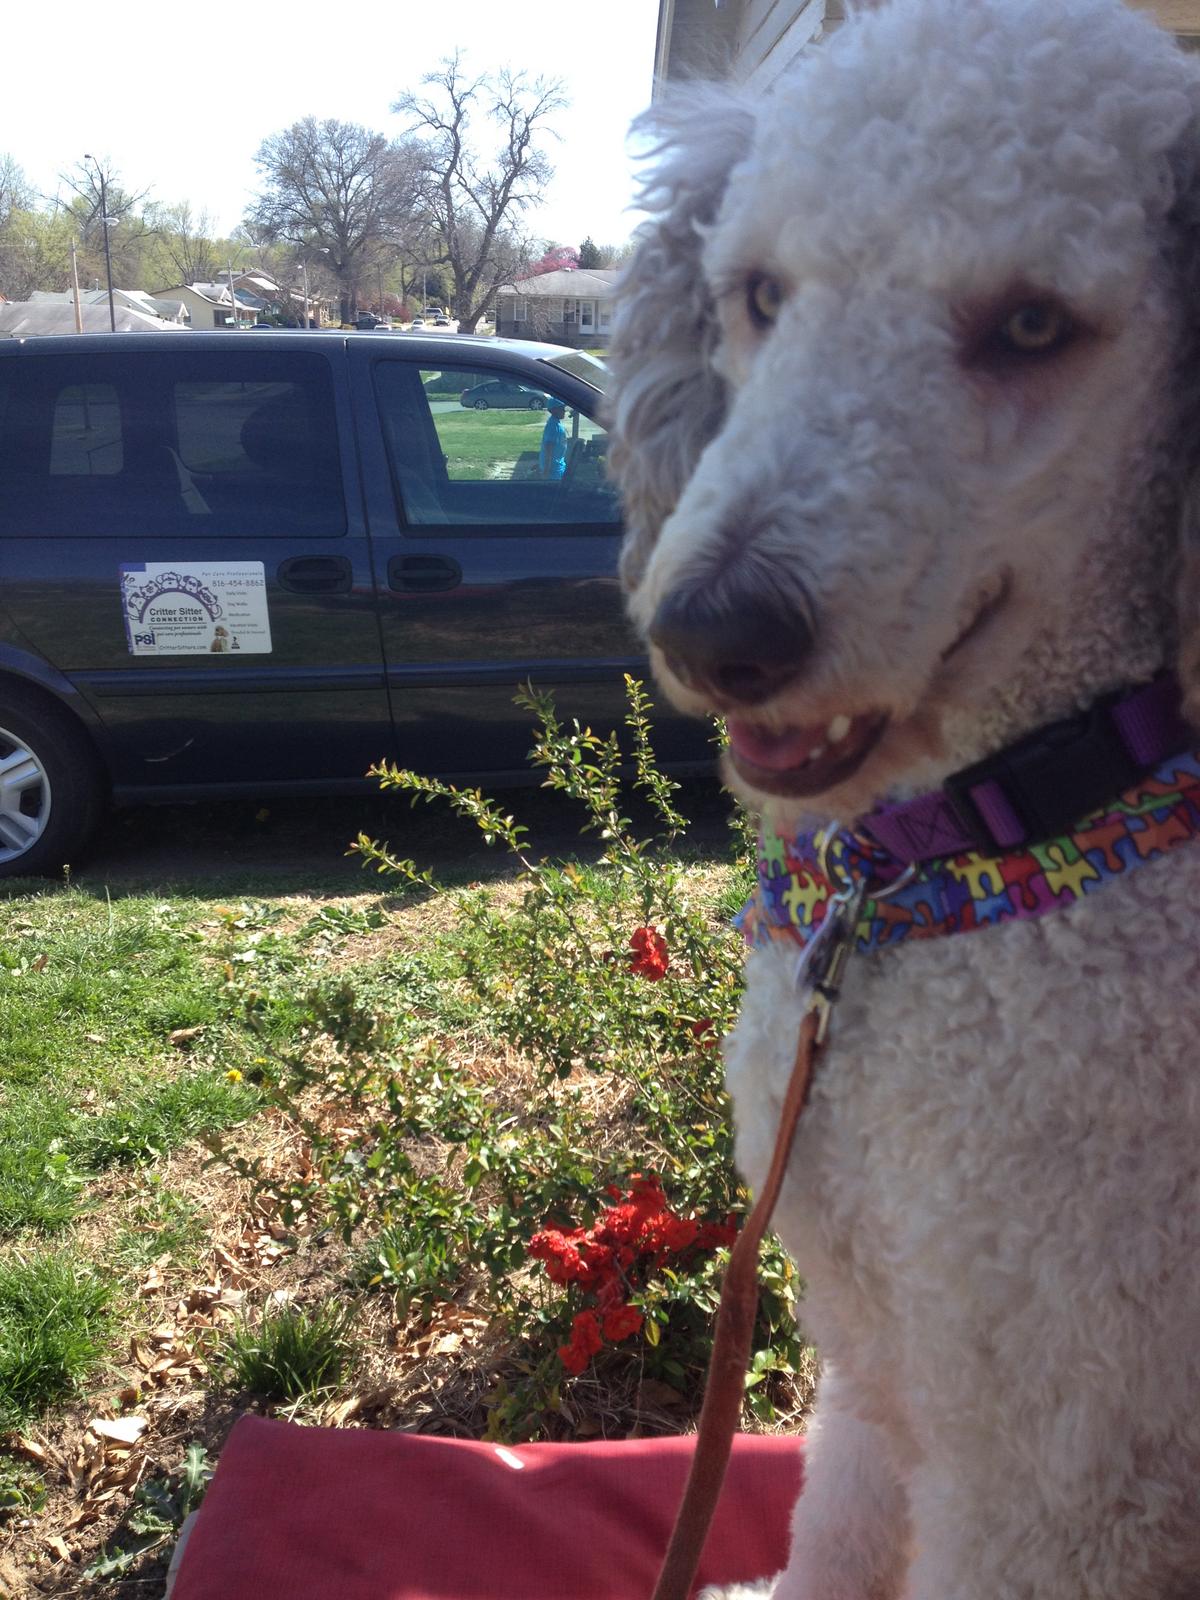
621,1322
560,1251
585,1342
705,1030
650,958
670,1235
714,1235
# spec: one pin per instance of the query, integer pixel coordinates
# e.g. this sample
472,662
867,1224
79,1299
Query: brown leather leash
725,1386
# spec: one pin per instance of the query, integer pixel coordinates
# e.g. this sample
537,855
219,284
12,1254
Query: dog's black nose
739,650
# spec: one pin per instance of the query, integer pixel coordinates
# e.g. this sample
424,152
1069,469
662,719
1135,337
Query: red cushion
338,1514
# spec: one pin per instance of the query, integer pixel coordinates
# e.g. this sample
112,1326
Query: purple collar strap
1039,786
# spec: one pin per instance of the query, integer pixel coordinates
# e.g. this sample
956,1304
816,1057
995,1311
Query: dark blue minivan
234,565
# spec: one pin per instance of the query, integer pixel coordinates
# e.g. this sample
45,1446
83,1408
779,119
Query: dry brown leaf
182,1037
340,1414
89,1460
59,1546
95,1038
153,1282
125,1430
29,1447
38,964
653,1393
86,1514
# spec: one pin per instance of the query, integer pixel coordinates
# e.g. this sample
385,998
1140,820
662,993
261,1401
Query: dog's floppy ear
1185,246
667,402
1188,600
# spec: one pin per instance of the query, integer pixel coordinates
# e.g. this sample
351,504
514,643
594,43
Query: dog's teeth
837,729
815,755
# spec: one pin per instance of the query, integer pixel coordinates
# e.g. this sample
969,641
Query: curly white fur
995,1195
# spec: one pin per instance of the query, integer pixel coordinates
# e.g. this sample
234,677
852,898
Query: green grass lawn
140,1275
488,444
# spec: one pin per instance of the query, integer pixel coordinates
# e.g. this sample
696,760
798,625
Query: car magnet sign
179,609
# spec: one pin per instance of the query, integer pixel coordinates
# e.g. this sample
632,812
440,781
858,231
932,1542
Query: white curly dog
906,418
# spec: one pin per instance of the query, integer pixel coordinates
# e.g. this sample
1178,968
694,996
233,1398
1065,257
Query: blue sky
178,107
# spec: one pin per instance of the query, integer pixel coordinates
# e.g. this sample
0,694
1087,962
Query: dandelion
234,1075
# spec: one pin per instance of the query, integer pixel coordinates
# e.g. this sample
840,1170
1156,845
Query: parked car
258,566
503,394
441,322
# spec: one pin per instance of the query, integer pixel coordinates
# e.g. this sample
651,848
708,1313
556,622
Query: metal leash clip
829,953
823,962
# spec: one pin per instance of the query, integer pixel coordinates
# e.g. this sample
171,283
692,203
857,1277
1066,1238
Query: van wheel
50,790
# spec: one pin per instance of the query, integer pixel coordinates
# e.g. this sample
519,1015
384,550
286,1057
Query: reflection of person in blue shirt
552,457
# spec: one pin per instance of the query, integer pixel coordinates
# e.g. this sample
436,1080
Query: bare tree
473,202
338,190
131,225
188,242
16,192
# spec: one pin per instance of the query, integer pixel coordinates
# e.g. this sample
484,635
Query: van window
231,445
85,432
484,447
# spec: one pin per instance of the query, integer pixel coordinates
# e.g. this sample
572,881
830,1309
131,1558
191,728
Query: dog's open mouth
803,761
807,760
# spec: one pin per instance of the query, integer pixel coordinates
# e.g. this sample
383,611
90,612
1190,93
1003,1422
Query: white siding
771,34
1183,16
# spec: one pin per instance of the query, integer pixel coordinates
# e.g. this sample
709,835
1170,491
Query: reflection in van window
485,447
85,435
236,445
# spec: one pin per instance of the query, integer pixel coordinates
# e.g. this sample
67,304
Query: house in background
567,307
160,311
209,304
754,41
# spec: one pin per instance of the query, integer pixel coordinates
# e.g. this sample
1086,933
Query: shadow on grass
238,848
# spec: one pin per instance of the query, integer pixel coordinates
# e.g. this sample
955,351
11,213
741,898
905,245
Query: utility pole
112,314
232,296
304,270
75,281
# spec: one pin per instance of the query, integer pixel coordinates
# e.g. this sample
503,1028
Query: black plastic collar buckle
1051,778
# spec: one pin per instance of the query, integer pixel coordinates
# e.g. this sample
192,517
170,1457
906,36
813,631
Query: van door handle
316,574
424,574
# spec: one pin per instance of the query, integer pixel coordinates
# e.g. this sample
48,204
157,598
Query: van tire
62,754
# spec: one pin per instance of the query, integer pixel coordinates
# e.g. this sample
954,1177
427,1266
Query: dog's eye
1036,328
763,300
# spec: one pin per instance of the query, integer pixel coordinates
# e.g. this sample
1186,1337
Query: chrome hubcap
24,797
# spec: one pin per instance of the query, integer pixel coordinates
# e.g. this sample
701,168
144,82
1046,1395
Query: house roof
134,299
584,282
21,319
218,294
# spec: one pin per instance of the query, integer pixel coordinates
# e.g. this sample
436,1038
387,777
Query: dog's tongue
776,752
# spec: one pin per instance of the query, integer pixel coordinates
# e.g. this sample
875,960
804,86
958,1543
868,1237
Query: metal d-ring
824,841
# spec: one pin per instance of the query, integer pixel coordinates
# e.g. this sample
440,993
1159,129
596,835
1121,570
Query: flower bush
587,1205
